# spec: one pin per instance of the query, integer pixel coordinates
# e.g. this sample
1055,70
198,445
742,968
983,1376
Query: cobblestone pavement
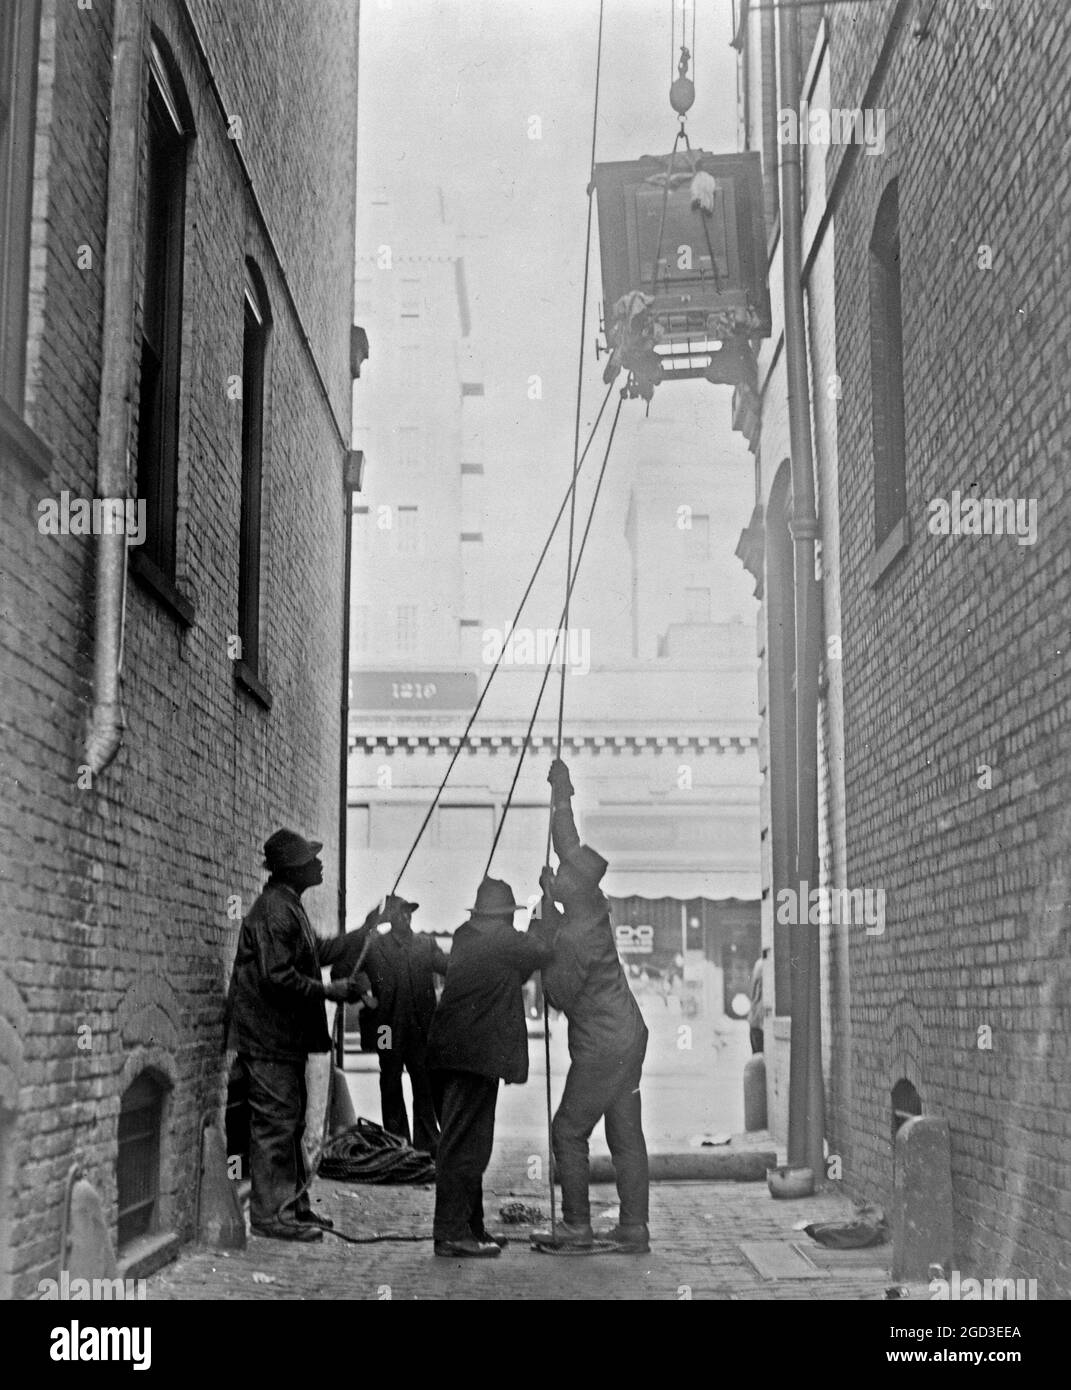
702,1233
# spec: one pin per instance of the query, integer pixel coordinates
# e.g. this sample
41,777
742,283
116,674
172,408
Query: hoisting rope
569,571
550,661
494,670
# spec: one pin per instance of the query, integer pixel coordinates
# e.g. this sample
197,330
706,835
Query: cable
554,650
494,669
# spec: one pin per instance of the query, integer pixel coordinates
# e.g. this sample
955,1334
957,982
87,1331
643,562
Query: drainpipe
107,721
351,484
806,1123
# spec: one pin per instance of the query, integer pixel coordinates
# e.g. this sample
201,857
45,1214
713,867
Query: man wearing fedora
478,1038
402,966
607,1039
275,1018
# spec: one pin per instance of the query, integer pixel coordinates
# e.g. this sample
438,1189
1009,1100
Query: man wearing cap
402,966
607,1039
478,1038
275,1018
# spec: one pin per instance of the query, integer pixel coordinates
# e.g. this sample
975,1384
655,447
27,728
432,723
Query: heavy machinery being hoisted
683,249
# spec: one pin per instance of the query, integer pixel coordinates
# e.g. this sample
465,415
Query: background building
943,752
660,727
177,256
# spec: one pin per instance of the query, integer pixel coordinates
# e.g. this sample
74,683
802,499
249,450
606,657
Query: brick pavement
697,1228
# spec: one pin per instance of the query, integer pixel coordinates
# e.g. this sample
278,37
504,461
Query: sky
451,93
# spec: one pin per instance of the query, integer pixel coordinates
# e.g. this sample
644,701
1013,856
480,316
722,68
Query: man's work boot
630,1240
286,1230
566,1235
468,1249
485,1236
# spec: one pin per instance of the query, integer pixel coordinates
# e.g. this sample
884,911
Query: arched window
887,374
141,1114
169,131
257,325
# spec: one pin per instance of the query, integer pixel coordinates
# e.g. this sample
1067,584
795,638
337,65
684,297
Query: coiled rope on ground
368,1153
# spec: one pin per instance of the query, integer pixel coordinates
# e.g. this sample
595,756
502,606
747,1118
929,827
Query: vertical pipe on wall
806,1123
106,722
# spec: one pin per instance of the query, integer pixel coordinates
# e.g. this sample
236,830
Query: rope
494,670
550,660
368,1153
570,576
580,365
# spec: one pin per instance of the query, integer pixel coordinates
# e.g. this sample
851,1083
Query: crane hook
682,92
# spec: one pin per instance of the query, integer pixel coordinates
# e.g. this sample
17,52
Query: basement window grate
138,1164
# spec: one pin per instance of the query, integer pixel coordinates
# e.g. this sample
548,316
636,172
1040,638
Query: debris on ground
521,1214
867,1227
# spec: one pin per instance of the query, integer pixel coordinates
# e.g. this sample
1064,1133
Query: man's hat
286,849
392,906
494,898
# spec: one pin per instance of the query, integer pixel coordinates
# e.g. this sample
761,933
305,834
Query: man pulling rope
607,1041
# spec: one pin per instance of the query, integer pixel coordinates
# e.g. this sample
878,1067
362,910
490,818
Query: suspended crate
683,246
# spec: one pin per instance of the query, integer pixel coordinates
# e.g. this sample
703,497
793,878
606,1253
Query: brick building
936,274
177,233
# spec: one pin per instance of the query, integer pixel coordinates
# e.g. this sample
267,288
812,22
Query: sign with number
412,690
634,940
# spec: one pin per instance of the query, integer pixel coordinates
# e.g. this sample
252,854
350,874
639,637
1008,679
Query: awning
683,884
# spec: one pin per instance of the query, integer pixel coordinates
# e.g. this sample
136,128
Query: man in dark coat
607,1039
478,1038
402,966
275,1018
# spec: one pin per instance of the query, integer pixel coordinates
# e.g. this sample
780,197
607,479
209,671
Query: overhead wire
494,670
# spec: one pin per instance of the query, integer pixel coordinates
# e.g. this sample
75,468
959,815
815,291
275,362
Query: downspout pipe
806,1124
343,747
107,721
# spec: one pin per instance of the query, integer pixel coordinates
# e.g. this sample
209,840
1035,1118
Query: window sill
20,443
248,679
145,1255
162,589
894,544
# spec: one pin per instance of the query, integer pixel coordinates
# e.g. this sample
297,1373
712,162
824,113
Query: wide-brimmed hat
494,898
286,849
393,906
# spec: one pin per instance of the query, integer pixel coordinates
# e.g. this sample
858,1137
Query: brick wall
115,897
958,657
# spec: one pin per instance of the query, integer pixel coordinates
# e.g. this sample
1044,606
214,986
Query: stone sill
248,679
19,442
147,1254
894,544
153,579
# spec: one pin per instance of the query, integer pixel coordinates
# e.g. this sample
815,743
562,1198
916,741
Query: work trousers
277,1098
425,1133
594,1090
466,1105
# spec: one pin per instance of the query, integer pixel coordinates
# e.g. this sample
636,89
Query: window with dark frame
161,333
254,356
19,26
887,368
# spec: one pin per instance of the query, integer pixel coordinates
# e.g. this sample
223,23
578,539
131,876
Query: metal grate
138,1164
